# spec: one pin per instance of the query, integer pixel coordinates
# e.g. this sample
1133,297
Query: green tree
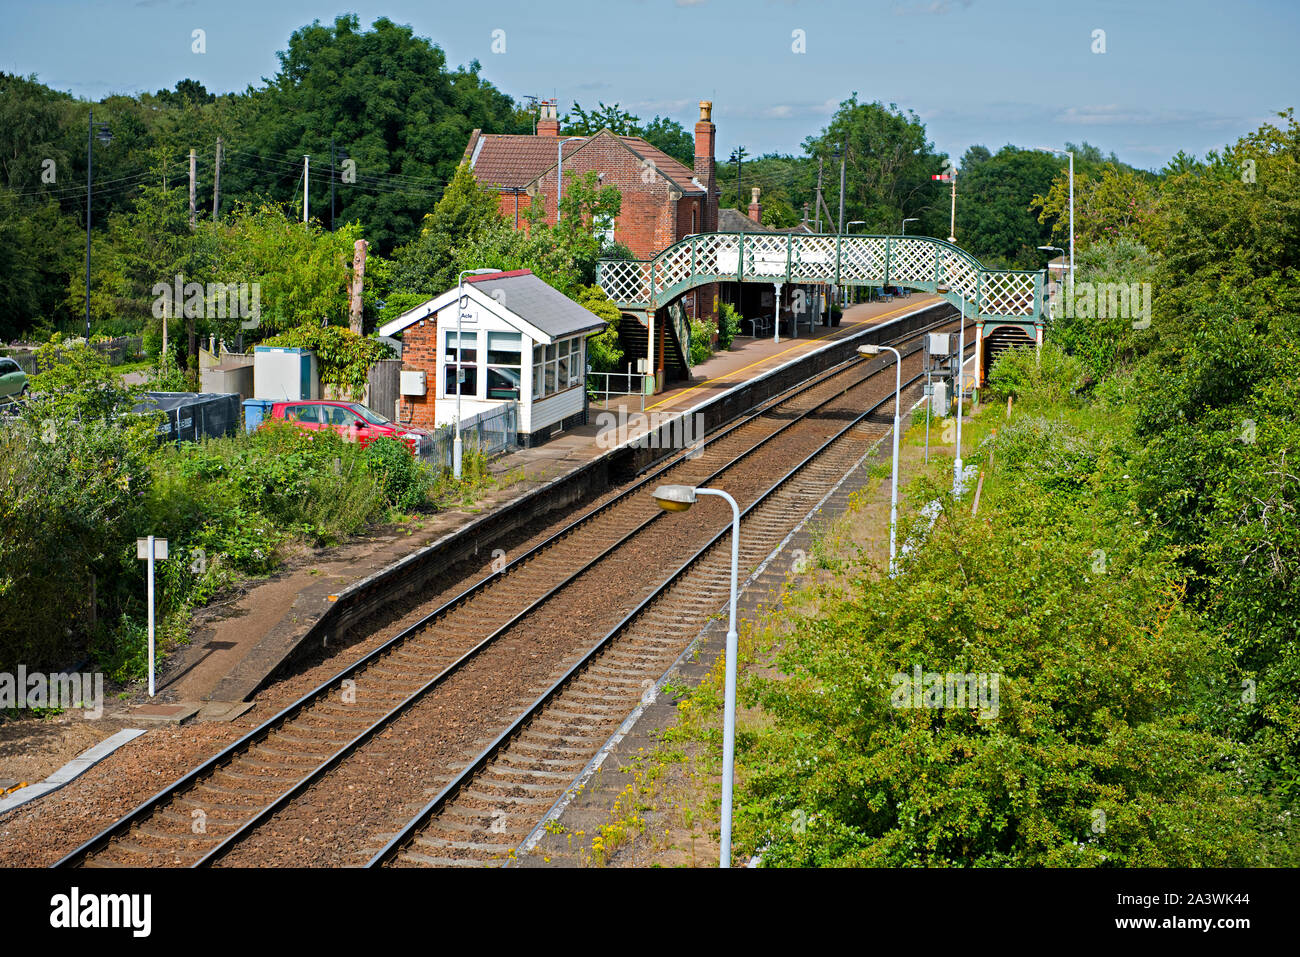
426,265
994,220
889,162
405,133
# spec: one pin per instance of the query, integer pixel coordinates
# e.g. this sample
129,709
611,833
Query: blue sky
1190,75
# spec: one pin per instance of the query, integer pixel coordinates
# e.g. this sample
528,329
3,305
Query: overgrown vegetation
1130,581
81,477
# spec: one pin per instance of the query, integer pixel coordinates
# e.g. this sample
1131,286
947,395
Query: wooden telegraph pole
216,183
193,167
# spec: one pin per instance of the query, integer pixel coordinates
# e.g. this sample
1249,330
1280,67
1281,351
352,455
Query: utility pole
817,207
844,153
193,168
358,286
216,183
306,169
332,164
738,157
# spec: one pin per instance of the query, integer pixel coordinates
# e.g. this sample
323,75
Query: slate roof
734,221
513,161
515,293
540,304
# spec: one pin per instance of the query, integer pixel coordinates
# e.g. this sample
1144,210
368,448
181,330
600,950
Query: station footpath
235,646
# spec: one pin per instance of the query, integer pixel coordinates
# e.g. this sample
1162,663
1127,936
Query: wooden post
358,275
216,183
193,168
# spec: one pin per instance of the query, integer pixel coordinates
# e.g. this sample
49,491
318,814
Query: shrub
404,481
1095,752
701,341
1037,377
728,325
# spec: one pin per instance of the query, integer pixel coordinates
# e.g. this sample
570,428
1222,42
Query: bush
701,341
404,481
728,325
1046,377
1094,751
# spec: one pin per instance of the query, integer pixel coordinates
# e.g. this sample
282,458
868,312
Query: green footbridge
1007,306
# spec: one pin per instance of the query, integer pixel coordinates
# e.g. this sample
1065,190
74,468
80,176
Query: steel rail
97,842
408,832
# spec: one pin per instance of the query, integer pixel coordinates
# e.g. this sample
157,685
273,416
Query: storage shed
520,341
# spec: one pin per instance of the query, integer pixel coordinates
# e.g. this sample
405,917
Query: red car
353,421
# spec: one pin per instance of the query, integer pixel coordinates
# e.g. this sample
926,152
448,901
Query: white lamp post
456,449
872,350
1048,149
559,172
910,219
678,498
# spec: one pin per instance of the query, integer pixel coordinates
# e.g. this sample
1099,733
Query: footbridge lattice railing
918,262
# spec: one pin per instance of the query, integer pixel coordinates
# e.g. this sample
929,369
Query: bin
255,410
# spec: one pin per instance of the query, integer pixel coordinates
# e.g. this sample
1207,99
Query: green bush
1037,377
701,341
728,325
404,481
1097,752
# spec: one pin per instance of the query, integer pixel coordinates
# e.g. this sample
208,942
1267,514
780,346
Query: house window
468,363
557,367
505,366
603,228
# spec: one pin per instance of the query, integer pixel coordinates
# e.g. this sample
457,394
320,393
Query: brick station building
663,200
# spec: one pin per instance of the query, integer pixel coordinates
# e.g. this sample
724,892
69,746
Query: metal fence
633,383
491,432
116,351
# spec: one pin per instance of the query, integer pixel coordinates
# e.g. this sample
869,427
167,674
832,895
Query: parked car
13,381
353,421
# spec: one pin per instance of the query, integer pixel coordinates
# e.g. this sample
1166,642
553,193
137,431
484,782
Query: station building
519,341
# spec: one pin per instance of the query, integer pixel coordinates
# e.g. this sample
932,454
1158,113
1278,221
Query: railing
490,432
117,351
919,262
637,384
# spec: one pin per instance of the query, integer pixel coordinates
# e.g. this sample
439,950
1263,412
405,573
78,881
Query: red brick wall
420,352
649,220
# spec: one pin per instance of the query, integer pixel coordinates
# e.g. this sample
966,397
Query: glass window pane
537,381
470,380
504,348
503,383
550,377
468,344
308,413
562,373
550,352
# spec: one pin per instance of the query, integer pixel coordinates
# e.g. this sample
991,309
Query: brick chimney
755,207
705,134
548,124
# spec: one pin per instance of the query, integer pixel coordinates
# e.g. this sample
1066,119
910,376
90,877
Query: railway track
485,813
244,800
